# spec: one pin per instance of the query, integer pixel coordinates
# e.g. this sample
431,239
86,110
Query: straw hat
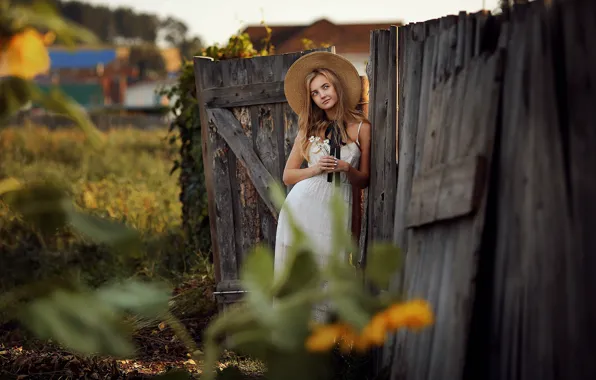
295,90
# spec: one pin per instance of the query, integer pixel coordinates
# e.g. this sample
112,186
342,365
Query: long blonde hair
312,121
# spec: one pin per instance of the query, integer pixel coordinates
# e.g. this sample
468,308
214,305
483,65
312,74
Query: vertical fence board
577,31
245,198
265,138
216,161
410,68
389,165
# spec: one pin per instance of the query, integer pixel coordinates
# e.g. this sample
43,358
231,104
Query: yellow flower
25,55
414,314
324,337
375,331
353,341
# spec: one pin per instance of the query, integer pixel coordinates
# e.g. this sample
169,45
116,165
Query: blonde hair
312,121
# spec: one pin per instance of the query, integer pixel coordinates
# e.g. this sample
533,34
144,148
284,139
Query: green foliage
93,322
272,323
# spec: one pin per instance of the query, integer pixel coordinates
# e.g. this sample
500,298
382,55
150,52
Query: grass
129,180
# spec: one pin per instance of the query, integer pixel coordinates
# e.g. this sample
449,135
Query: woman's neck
331,114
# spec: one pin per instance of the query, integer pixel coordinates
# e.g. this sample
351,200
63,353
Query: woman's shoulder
361,125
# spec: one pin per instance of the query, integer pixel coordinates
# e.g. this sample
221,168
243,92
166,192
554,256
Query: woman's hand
330,164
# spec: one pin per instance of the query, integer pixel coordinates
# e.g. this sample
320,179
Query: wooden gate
247,132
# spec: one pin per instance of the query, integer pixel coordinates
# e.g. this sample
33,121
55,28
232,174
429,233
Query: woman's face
322,92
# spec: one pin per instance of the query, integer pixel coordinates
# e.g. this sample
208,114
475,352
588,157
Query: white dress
309,202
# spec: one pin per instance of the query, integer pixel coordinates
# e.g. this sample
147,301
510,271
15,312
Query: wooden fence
497,171
494,117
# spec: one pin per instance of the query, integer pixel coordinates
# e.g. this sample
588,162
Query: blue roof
80,59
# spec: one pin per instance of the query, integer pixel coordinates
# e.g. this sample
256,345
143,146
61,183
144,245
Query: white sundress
309,202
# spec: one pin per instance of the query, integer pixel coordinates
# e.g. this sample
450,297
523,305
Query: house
100,76
93,76
352,41
146,94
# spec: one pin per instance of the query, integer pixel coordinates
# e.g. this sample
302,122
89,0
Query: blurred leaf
299,239
146,299
105,231
257,279
79,321
212,353
8,185
174,374
350,310
60,103
293,318
301,274
342,241
254,342
383,262
14,95
278,194
43,16
298,365
43,205
257,270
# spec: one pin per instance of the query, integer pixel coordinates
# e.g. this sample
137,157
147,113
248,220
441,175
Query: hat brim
294,85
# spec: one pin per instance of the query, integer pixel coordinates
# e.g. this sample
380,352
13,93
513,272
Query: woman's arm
358,177
292,172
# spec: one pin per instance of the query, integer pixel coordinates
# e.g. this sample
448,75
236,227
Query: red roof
347,38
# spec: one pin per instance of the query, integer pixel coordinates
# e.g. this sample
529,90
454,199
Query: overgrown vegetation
128,181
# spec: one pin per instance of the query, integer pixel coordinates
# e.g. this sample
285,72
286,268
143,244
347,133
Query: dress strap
358,134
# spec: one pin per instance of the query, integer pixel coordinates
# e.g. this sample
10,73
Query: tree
174,31
191,47
148,60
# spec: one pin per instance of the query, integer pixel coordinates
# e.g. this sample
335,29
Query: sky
216,22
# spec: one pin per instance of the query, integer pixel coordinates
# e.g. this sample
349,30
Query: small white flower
311,139
317,138
326,141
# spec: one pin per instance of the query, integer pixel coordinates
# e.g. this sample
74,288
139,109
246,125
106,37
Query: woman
323,89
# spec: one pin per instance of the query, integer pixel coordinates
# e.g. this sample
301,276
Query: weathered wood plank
460,43
404,349
217,176
264,131
470,38
200,64
481,19
357,193
389,163
245,95
244,195
234,136
377,191
447,191
578,26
